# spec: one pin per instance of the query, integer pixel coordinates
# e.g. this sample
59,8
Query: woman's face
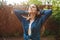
32,9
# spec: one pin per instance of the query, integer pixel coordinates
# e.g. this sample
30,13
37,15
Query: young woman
33,22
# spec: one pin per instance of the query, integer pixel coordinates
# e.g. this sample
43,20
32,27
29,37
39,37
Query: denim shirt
36,25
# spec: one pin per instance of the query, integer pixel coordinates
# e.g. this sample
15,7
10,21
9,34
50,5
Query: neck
32,17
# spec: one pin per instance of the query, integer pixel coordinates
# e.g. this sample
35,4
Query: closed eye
33,7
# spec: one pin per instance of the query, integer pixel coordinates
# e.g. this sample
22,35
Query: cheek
34,9
29,10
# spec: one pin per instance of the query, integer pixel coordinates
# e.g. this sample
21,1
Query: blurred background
11,27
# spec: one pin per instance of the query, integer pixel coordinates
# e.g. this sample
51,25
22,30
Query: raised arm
45,14
18,13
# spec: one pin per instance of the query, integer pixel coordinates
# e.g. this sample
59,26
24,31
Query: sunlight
15,1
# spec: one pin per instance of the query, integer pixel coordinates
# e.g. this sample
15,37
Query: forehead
32,5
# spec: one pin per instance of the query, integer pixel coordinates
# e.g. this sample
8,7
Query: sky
15,1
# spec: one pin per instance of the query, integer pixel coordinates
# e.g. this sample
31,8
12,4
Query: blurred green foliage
35,2
55,17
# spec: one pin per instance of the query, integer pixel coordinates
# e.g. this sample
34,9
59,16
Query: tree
35,2
56,4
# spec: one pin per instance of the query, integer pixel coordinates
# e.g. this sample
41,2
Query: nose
30,10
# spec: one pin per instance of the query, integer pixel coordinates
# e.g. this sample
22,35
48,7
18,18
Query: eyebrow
33,6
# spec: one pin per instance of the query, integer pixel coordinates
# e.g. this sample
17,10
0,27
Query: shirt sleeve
18,13
45,15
